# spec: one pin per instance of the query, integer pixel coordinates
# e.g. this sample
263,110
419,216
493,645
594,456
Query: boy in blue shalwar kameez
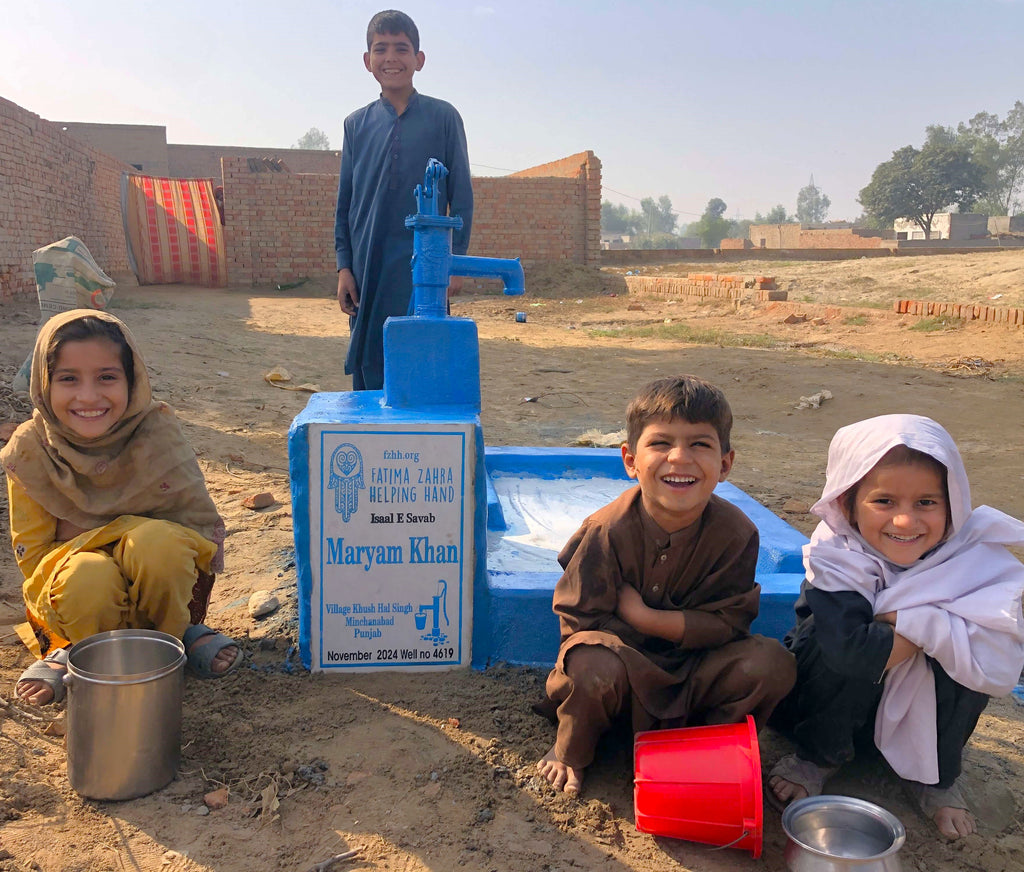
385,152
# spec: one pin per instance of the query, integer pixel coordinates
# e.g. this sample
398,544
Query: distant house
945,225
999,224
616,241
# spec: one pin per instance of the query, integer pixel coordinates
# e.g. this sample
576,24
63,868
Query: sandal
52,678
930,799
803,773
201,657
957,821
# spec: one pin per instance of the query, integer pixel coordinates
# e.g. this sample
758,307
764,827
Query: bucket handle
735,841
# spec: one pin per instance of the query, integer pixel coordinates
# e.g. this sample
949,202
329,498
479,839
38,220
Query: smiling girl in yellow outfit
111,521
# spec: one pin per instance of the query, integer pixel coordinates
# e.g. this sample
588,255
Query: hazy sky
736,99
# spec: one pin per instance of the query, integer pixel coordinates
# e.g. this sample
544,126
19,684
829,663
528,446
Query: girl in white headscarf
909,618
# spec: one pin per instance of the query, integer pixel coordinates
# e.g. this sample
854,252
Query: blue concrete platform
536,498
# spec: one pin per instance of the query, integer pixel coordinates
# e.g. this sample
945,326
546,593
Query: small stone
56,727
259,501
484,816
202,811
186,808
795,507
262,603
216,799
794,319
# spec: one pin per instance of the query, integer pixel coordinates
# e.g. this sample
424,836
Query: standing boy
385,152
658,593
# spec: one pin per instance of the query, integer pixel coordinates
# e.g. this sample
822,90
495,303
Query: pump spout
509,270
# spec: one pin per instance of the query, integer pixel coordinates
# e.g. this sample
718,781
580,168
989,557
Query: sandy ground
436,771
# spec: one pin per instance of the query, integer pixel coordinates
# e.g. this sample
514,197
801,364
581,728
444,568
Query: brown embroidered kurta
706,571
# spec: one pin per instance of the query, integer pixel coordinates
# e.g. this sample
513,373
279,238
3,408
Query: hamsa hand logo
346,479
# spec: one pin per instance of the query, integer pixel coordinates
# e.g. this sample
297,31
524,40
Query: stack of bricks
1011,317
759,288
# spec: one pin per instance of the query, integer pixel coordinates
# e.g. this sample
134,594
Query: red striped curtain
173,230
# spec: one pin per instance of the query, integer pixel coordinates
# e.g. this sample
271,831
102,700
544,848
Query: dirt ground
436,771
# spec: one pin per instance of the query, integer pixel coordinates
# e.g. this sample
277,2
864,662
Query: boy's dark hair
392,21
685,396
91,328
901,455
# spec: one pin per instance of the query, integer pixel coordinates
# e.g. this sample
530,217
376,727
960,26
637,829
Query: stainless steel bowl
841,834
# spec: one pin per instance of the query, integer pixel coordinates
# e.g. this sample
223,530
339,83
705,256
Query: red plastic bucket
702,784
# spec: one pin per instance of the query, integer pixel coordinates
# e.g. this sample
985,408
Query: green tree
658,216
739,228
616,218
712,227
776,215
811,204
917,184
314,139
998,146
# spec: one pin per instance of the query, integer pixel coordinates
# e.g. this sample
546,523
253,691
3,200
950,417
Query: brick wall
279,226
532,218
775,235
846,237
797,236
51,186
585,168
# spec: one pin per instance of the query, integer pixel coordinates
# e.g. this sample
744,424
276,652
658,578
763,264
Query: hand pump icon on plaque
438,608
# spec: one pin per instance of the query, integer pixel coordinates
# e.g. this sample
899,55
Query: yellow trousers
132,573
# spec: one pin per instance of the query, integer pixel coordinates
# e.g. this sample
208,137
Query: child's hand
631,605
663,623
348,294
887,618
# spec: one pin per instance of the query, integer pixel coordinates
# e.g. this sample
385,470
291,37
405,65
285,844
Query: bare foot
954,822
223,659
38,692
560,776
786,791
40,683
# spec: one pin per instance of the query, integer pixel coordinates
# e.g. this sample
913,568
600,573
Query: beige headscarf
143,465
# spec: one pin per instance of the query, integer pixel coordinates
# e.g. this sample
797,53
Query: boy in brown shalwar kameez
658,593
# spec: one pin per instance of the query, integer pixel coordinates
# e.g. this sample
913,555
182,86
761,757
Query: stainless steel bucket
124,713
841,834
